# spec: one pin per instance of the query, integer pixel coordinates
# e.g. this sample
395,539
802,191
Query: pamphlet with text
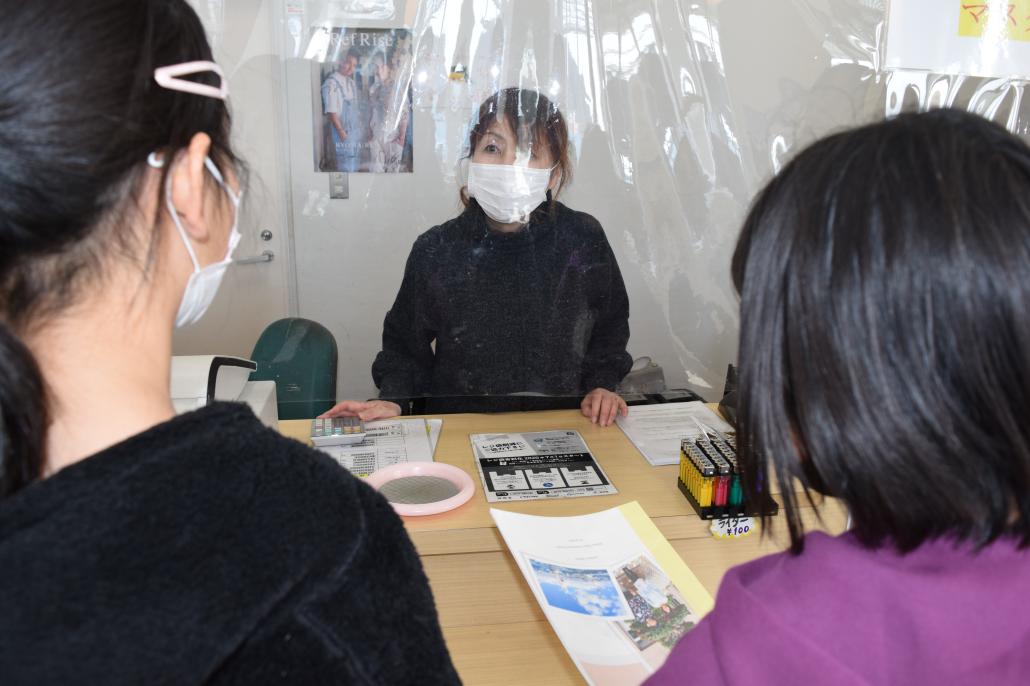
537,465
613,589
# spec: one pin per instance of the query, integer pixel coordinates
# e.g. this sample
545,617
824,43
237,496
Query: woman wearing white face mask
518,303
137,546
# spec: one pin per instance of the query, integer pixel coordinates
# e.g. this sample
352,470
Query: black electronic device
728,404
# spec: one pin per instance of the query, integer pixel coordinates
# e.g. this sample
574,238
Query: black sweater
211,549
540,311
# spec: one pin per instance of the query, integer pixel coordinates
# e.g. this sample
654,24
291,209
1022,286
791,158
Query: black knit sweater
539,311
211,549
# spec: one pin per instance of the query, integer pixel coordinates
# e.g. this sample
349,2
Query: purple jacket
842,614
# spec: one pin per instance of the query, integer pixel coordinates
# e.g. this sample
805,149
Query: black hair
73,149
884,280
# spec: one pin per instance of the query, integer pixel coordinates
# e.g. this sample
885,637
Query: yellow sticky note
994,20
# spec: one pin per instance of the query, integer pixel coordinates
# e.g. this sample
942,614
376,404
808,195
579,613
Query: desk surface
494,628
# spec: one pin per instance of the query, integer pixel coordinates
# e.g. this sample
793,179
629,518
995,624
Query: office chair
300,356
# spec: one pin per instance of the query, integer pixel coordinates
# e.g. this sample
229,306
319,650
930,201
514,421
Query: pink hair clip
167,78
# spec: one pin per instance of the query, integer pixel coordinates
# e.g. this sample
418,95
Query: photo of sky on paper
988,18
584,591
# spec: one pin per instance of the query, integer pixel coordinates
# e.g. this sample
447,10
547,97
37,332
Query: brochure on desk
537,465
613,589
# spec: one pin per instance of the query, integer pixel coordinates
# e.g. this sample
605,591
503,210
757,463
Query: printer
200,379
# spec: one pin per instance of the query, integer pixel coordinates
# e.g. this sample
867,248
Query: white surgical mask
203,283
507,193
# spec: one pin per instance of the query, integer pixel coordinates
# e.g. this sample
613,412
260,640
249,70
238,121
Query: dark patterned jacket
539,312
212,550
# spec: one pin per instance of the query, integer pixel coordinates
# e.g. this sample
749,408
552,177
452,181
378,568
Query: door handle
266,256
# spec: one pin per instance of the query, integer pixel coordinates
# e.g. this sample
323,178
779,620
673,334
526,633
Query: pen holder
710,480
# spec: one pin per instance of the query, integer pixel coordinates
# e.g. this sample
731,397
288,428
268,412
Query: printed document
542,464
613,589
387,442
656,430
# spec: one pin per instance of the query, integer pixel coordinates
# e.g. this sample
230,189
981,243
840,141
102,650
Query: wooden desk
494,628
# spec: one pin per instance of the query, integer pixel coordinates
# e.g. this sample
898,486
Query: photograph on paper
584,591
362,101
660,613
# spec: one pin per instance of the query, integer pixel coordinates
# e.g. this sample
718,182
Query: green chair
299,355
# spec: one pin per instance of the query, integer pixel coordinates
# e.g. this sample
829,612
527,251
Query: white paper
972,37
656,430
387,442
602,590
537,465
435,427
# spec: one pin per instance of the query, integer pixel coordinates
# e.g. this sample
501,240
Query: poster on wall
362,105
972,37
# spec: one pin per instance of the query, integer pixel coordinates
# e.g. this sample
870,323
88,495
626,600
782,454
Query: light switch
339,186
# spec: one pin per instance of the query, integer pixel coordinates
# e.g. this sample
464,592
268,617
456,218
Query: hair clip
167,77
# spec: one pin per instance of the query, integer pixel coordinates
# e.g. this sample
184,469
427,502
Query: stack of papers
387,442
656,430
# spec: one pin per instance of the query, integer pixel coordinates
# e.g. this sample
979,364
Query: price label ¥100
732,527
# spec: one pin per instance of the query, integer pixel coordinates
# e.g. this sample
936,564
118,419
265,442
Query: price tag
732,527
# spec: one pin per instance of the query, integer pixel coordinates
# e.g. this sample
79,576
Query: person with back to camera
885,361
516,298
137,546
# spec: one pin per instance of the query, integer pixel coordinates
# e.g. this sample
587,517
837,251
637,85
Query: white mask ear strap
157,163
214,171
235,197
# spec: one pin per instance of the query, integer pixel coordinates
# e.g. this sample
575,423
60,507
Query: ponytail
23,414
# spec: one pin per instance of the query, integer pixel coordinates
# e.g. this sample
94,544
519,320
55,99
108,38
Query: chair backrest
300,356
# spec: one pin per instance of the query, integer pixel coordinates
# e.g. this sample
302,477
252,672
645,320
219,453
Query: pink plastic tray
456,476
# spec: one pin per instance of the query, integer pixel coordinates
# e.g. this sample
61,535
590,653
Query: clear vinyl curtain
677,113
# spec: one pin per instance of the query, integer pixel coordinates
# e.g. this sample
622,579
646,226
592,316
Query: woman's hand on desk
601,406
367,410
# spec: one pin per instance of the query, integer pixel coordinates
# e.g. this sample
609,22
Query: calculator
337,431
